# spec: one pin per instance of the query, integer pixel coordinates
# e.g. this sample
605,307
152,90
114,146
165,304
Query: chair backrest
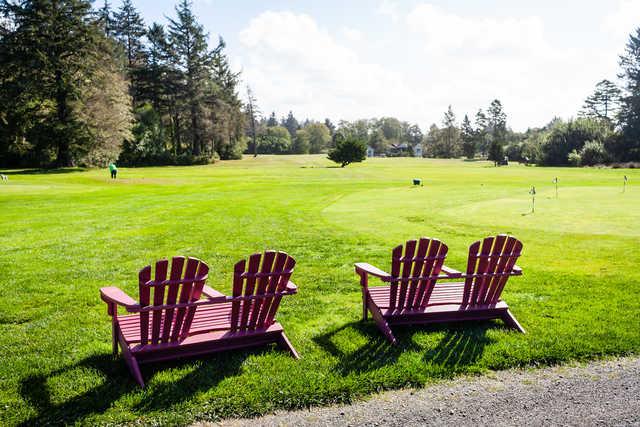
258,286
180,285
489,266
414,272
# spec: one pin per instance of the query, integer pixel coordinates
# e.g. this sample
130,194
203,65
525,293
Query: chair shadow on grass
461,346
117,382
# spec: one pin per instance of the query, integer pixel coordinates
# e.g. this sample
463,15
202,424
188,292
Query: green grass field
65,235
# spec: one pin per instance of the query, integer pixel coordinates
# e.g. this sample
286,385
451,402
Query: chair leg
285,344
382,324
364,306
511,321
114,339
132,363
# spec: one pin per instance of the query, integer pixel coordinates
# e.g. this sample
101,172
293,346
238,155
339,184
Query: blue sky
411,59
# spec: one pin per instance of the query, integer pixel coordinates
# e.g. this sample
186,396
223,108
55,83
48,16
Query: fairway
67,233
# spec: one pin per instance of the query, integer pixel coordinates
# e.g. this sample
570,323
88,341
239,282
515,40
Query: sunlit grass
65,235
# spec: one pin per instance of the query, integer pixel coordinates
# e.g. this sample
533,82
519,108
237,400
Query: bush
565,137
348,149
593,153
276,140
574,158
514,151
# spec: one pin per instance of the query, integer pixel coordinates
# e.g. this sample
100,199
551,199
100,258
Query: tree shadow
462,345
41,171
208,372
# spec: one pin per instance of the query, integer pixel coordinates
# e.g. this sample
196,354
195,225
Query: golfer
113,169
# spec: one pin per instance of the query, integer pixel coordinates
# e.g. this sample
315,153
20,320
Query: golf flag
555,180
532,191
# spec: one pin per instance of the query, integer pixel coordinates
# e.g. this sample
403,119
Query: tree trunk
63,153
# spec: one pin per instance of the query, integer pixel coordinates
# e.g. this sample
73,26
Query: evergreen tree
630,110
252,113
468,138
129,29
497,121
481,132
291,124
105,18
450,135
604,103
272,121
192,58
330,126
348,149
54,51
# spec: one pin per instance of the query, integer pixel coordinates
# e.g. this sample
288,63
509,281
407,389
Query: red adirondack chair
172,321
415,295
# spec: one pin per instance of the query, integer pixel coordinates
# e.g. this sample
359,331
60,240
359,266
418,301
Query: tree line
85,86
82,87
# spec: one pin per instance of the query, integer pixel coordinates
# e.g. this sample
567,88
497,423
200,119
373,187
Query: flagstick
624,184
533,199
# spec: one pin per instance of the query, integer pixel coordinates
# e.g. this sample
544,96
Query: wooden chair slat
143,277
249,289
196,293
267,265
477,283
407,265
274,278
508,268
281,286
158,299
238,281
177,266
396,254
185,294
419,265
437,250
493,264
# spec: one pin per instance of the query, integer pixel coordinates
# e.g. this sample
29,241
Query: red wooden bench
179,316
415,296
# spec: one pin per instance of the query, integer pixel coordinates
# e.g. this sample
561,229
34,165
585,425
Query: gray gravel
599,393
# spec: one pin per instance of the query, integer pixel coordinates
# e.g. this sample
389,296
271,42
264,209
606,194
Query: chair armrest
113,295
212,294
292,288
450,272
516,270
364,268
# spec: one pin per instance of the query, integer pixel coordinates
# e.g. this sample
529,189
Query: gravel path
600,393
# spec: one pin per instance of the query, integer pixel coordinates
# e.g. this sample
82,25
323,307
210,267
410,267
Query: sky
411,59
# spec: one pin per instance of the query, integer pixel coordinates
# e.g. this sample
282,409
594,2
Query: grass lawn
65,235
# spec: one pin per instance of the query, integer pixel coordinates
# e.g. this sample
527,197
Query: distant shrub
348,150
593,153
574,158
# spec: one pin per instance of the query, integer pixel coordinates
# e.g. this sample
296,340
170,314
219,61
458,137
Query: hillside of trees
83,85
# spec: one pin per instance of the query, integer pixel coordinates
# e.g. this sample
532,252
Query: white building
417,150
370,151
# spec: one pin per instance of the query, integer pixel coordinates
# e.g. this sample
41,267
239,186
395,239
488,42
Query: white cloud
295,64
390,9
415,71
443,31
352,35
